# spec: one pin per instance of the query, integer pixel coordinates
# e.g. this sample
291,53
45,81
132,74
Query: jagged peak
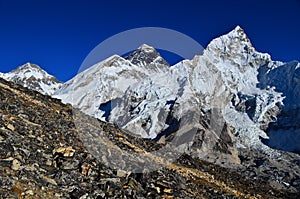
238,32
146,55
29,70
236,44
147,48
28,67
113,57
238,29
237,36
34,77
115,60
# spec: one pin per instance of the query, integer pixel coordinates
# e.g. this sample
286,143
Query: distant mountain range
232,105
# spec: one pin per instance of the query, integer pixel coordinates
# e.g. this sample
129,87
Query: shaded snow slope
284,132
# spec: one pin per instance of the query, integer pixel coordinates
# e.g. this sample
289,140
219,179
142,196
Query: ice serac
32,76
153,107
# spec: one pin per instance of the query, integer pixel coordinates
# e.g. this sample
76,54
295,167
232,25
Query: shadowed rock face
42,156
284,131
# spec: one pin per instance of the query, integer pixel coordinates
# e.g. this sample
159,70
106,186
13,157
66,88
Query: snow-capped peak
29,70
238,31
235,46
32,76
146,48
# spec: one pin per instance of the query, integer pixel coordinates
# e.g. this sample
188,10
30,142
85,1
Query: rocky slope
32,76
44,155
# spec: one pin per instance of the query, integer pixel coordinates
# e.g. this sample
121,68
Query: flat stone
29,192
121,173
65,151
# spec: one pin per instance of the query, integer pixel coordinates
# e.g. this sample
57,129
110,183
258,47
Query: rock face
284,132
33,77
44,155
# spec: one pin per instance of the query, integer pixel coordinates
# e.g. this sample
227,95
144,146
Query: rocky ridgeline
42,156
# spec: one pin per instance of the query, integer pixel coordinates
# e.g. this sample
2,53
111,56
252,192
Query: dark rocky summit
146,55
43,155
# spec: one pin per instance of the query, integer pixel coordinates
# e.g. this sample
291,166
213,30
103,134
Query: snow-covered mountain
231,85
108,80
32,76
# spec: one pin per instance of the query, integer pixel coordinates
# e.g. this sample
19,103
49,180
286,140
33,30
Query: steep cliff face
284,131
44,154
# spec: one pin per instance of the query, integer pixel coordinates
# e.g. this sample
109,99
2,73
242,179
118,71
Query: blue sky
58,35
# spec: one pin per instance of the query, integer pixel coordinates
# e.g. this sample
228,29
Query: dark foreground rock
43,155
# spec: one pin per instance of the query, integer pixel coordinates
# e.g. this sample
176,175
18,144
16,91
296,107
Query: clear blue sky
58,35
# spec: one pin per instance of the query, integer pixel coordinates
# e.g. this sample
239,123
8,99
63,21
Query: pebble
85,169
29,192
49,180
67,152
11,127
15,165
121,173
